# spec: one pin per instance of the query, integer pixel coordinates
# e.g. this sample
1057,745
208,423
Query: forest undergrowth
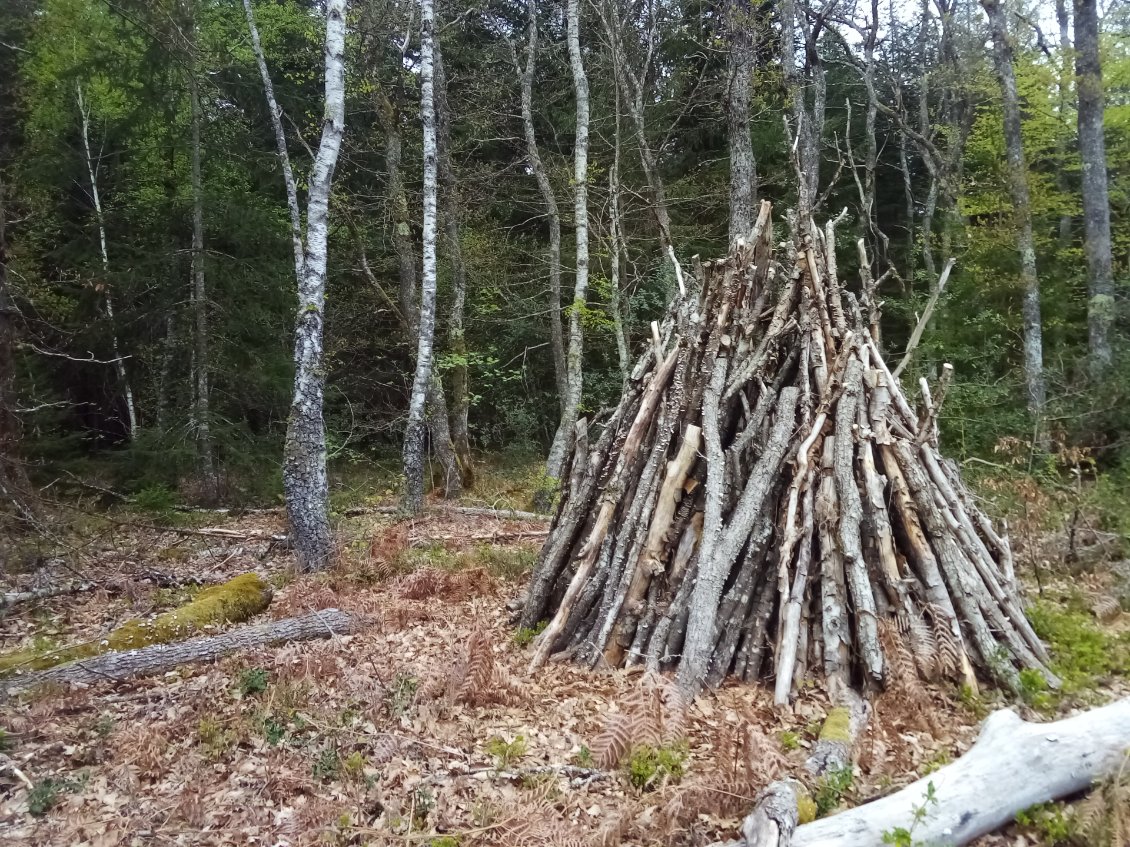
424,727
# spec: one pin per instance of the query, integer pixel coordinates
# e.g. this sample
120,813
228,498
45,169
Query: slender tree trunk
414,434
556,333
304,456
1018,187
13,482
563,441
107,300
435,406
452,210
1096,200
615,235
743,165
1063,19
200,310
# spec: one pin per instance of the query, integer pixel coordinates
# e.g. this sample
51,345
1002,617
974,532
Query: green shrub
649,767
830,790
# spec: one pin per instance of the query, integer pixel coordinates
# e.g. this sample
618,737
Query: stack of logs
765,502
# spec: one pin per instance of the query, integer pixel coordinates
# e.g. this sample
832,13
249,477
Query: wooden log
127,664
1012,766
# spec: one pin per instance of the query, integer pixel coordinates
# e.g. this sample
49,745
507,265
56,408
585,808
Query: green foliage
506,753
583,758
156,500
1082,653
790,740
1034,689
328,765
525,635
650,767
904,836
253,681
45,794
830,790
273,731
401,694
1050,822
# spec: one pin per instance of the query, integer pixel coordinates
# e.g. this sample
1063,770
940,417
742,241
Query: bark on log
161,657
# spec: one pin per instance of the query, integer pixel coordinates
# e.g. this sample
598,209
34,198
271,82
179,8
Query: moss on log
234,601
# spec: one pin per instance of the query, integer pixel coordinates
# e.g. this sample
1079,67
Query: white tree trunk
1013,765
563,441
414,434
556,333
1096,197
1018,185
304,455
108,303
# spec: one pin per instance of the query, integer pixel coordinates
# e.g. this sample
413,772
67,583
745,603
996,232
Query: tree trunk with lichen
234,601
765,502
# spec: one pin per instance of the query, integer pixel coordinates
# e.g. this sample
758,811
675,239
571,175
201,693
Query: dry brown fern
902,670
1103,819
922,644
949,647
653,713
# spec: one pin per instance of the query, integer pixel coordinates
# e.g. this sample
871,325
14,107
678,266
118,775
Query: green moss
837,726
1081,652
235,600
806,808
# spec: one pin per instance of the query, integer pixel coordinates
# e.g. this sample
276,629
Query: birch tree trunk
107,300
414,434
556,333
743,165
452,209
304,455
435,407
1018,187
1063,20
1096,200
563,441
200,309
616,241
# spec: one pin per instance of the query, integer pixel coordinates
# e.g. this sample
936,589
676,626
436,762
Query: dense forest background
150,357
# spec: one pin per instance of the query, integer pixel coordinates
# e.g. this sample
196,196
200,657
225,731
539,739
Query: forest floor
386,737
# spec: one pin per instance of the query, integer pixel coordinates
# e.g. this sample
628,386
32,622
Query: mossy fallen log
233,602
127,664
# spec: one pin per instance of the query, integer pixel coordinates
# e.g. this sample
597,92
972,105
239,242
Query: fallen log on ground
1013,765
12,598
817,514
233,602
162,657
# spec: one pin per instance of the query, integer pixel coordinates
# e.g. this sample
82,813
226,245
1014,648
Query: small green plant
253,681
214,737
830,790
157,500
650,767
44,795
444,841
583,758
972,702
401,694
790,740
1034,689
904,837
1050,822
327,767
104,726
939,760
525,635
5,740
423,801
505,752
273,731
354,765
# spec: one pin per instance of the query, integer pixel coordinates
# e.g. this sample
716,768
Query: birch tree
549,198
1003,63
563,440
414,434
107,299
1096,197
304,457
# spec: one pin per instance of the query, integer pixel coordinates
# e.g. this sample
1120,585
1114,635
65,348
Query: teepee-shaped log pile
765,502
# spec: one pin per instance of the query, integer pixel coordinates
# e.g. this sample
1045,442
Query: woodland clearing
424,727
